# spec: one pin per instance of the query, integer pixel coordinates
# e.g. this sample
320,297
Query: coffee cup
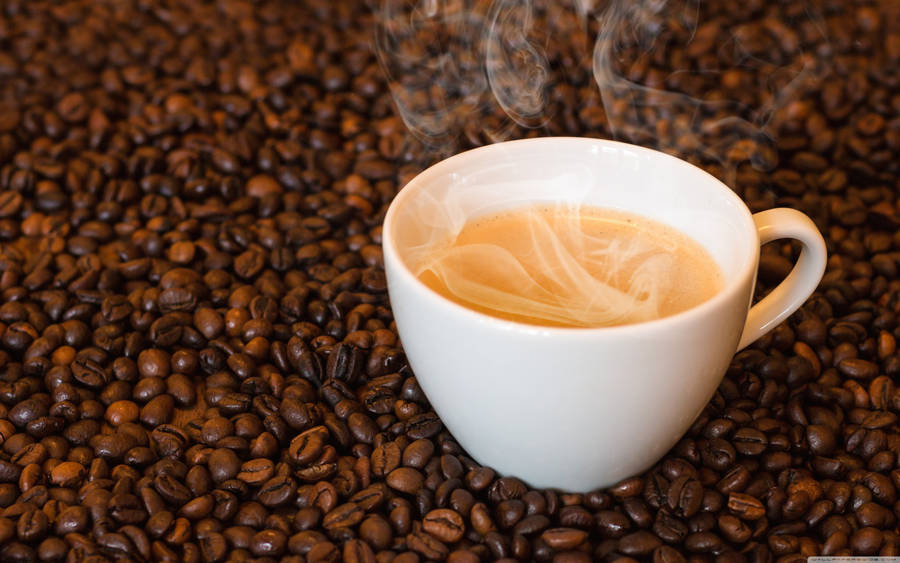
582,408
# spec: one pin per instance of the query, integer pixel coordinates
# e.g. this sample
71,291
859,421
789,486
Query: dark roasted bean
563,538
745,507
405,479
427,545
444,524
685,496
639,543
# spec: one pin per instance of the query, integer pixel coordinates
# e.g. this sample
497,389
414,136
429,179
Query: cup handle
790,294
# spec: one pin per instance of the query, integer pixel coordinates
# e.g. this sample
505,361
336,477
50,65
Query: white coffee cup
582,408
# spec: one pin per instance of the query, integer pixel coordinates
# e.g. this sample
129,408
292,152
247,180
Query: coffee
572,266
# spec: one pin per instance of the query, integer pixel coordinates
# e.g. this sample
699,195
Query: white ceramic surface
577,409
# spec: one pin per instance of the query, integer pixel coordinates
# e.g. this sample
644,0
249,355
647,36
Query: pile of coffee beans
198,360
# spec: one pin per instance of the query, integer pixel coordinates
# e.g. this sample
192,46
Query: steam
448,62
556,263
727,131
546,275
466,72
517,71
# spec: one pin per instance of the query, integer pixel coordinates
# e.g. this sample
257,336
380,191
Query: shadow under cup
569,408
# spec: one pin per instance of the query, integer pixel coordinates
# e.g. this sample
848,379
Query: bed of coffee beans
197,355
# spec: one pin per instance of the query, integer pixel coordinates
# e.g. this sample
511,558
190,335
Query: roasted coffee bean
444,524
74,519
356,551
268,543
734,529
612,524
385,458
669,528
52,549
376,531
305,361
745,506
427,545
256,471
343,516
307,446
214,547
685,496
405,479
277,491
638,543
223,464
344,363
68,474
32,526
563,538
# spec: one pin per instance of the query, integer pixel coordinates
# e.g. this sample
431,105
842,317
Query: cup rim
726,294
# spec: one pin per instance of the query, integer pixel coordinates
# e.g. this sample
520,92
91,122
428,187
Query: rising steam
553,264
517,71
724,130
449,62
465,72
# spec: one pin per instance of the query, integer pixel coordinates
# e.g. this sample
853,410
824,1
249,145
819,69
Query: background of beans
197,356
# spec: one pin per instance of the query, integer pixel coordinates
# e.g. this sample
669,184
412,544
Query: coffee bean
268,543
344,363
858,368
214,547
405,479
563,538
745,507
256,471
385,458
613,524
10,203
32,526
277,491
669,528
509,512
198,508
67,474
866,541
427,545
734,529
307,446
639,543
685,496
51,549
444,524
418,453
749,441
480,518
376,531
157,411
479,478
74,519
171,489
223,464
705,542
343,516
121,412
307,363
667,554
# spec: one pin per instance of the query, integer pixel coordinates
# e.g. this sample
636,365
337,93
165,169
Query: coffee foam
563,264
